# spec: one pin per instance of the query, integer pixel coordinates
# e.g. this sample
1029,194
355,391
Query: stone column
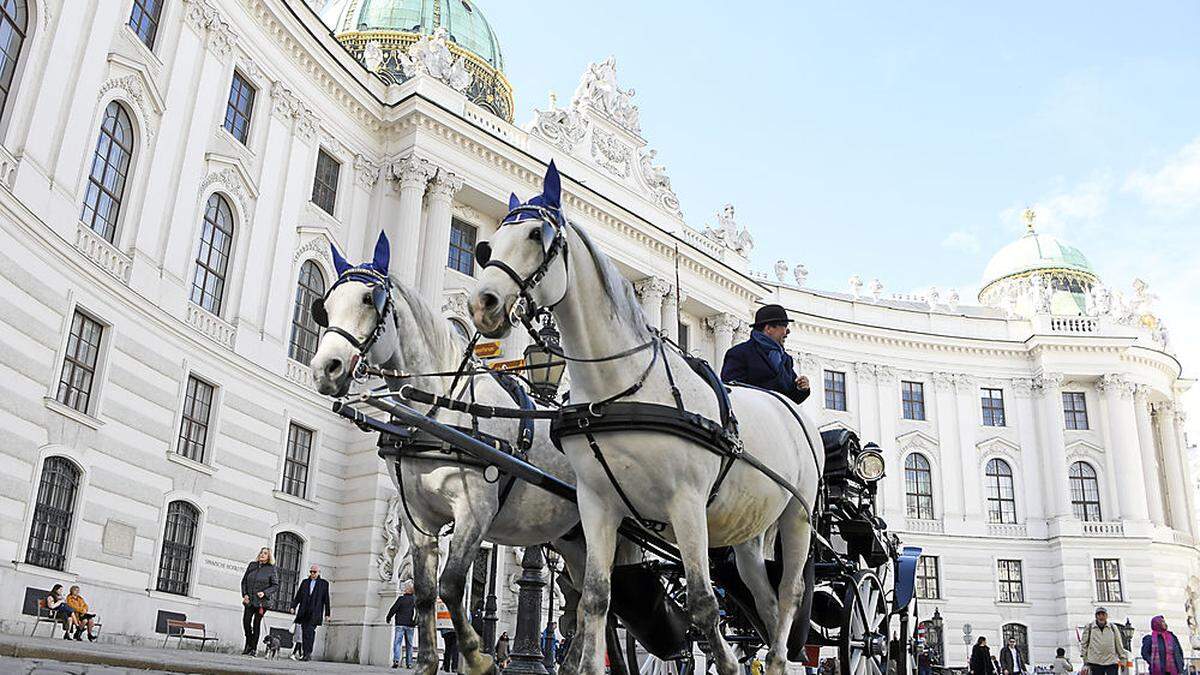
742,332
1173,464
952,459
868,401
810,365
404,231
1033,454
436,242
966,389
1122,432
1149,456
670,316
1051,423
722,326
887,393
652,290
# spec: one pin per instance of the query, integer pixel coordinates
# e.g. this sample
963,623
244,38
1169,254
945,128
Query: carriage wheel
863,644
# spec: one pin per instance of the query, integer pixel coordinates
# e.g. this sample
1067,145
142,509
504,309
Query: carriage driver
761,361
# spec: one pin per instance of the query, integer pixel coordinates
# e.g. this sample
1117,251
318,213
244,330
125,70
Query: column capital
886,374
366,171
742,332
943,381
1047,384
652,287
1142,393
722,323
865,371
1115,383
284,103
444,185
964,383
1023,387
808,362
411,171
1164,409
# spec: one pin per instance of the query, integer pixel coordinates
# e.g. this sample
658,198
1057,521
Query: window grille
52,514
178,548
289,550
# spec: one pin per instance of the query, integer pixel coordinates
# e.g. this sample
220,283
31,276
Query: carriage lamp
869,464
544,368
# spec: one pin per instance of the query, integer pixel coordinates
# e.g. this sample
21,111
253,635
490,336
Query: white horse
404,334
537,257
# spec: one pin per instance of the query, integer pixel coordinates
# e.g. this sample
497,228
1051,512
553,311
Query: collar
761,338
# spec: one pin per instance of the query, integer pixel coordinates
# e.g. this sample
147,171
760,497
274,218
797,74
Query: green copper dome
462,19
1034,252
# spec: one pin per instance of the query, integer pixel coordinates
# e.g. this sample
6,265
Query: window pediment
998,445
917,441
138,86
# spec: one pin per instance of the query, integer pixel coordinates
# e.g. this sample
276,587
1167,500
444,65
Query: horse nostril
489,301
333,367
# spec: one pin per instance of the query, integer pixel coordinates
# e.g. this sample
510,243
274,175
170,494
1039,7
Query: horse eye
367,299
535,234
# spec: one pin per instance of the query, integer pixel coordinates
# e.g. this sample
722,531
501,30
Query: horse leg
752,568
573,558
464,548
691,534
600,532
795,533
425,592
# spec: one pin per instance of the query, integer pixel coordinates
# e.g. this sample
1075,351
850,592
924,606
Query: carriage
860,578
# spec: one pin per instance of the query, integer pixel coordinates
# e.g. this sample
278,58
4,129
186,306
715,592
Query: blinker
379,297
319,315
483,252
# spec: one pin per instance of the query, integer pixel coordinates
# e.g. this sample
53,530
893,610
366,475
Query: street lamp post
489,603
553,561
526,656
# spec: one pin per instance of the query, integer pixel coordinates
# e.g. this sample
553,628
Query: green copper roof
1035,252
461,18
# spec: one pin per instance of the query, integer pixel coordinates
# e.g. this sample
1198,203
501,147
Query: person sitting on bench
57,604
82,618
762,361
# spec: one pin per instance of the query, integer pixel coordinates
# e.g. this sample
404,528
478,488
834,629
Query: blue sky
902,140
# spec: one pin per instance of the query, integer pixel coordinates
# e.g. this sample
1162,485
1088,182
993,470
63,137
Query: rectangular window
1075,410
295,466
462,247
79,362
197,411
239,108
912,396
1012,584
1108,580
325,182
685,337
927,578
993,407
144,20
835,390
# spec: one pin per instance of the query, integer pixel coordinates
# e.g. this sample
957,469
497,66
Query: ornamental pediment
1081,448
132,82
998,445
917,440
234,168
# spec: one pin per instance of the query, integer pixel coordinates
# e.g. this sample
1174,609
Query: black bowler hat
768,314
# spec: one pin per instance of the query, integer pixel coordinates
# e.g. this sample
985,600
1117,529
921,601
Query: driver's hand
802,383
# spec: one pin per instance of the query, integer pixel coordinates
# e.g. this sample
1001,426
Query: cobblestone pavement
20,655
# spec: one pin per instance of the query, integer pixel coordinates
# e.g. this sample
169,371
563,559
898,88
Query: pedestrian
450,656
59,609
403,609
1012,661
762,361
924,663
550,645
83,618
502,649
981,658
259,583
311,604
1161,649
1062,666
1103,651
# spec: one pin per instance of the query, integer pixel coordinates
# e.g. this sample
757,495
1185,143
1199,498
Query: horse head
524,263
351,317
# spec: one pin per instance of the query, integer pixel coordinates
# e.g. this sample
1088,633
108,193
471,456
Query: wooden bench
187,630
45,615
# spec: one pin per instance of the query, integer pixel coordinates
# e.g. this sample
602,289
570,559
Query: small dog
272,644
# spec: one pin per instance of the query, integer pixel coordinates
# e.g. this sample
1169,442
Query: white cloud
1067,211
962,241
1175,185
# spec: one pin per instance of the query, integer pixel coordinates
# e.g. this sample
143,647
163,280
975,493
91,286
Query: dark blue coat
748,363
311,608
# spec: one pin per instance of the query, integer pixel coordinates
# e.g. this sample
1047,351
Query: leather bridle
552,220
381,299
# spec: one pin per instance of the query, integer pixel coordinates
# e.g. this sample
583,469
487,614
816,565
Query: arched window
1016,631
53,513
1085,492
179,546
304,330
14,18
918,487
110,166
212,262
144,20
1001,497
289,549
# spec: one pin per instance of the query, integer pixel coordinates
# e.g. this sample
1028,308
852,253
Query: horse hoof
483,665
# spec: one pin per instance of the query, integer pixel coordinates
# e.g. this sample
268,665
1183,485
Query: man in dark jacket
312,607
1012,661
761,361
403,610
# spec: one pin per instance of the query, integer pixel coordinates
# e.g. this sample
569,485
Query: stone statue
952,300
394,564
728,233
933,297
801,274
431,56
598,89
876,289
781,270
373,56
1038,294
655,174
856,286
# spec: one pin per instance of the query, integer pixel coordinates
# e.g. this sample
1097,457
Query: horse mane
628,310
431,326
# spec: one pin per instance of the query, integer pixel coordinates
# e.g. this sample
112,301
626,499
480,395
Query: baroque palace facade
172,173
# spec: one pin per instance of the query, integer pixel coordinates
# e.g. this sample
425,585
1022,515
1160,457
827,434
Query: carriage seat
840,445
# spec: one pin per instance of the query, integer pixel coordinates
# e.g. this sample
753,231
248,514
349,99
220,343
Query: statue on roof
431,56
781,270
598,89
729,233
800,272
